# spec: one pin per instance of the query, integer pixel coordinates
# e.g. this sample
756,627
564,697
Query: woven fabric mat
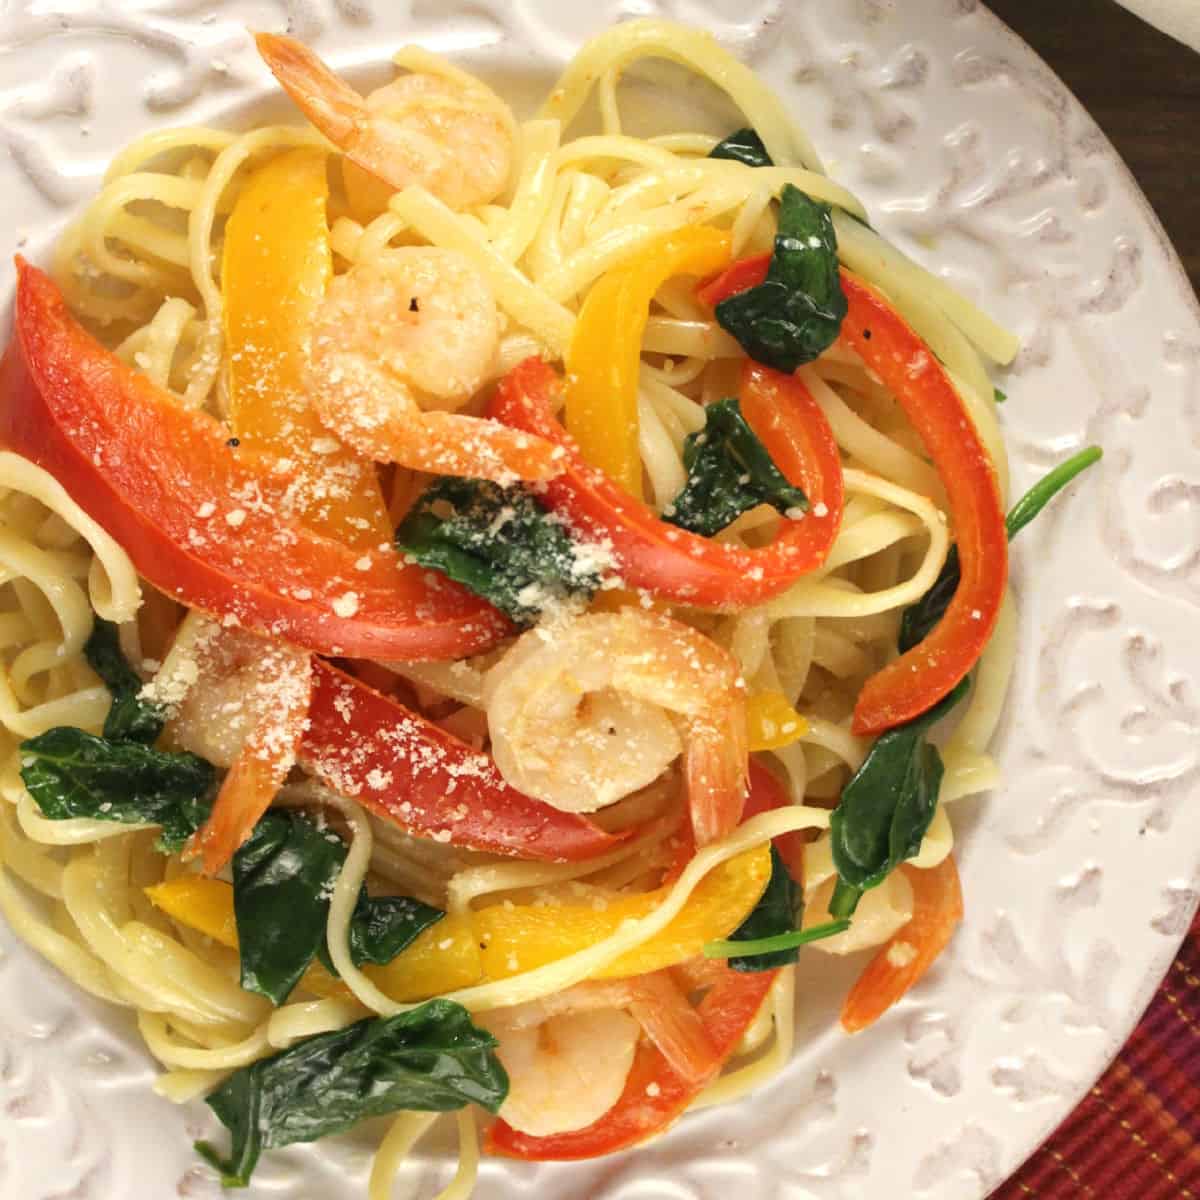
1136,1136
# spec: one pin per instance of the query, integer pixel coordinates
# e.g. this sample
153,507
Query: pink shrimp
451,135
564,698
239,701
412,331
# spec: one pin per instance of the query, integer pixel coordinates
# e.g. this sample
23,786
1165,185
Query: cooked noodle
141,268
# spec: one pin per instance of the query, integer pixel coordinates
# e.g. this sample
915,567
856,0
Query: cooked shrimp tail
330,103
561,699
241,702
450,136
448,444
716,777
415,330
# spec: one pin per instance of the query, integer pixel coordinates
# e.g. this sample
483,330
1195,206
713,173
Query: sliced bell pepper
206,522
896,967
918,679
740,276
765,795
365,745
442,958
655,1095
605,354
666,560
520,937
772,722
275,267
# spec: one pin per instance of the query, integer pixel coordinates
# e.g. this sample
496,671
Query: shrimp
453,137
568,1055
585,713
566,1069
415,328
239,701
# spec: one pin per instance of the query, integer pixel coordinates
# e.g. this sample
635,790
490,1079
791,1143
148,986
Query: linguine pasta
142,269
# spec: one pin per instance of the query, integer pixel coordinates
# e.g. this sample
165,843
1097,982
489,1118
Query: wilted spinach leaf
130,717
778,911
744,146
887,806
283,881
729,472
283,878
796,313
381,927
70,773
431,1059
499,542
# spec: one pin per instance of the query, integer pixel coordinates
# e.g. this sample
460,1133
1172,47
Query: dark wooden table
1142,87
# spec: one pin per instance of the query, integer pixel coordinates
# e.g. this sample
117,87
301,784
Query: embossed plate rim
827,1171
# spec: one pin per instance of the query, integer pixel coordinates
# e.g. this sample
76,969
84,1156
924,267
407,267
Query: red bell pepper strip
896,967
740,276
404,768
917,680
655,1096
765,794
671,562
202,520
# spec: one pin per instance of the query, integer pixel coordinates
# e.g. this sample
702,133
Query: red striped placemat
1136,1136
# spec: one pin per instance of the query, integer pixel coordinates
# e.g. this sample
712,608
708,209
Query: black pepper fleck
414,305
234,442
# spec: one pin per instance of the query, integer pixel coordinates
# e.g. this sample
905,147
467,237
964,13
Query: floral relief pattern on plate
1081,872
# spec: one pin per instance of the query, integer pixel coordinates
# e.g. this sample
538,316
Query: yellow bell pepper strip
772,722
442,958
275,268
519,937
606,347
200,903
514,938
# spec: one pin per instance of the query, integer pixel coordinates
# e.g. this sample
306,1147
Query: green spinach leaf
998,396
777,944
729,472
499,542
769,938
70,773
431,1059
130,718
381,927
283,878
887,806
744,146
920,618
796,313
778,912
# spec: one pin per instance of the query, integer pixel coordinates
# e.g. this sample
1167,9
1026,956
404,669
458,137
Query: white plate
1080,874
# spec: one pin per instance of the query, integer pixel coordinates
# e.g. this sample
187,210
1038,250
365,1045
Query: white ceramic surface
1080,874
